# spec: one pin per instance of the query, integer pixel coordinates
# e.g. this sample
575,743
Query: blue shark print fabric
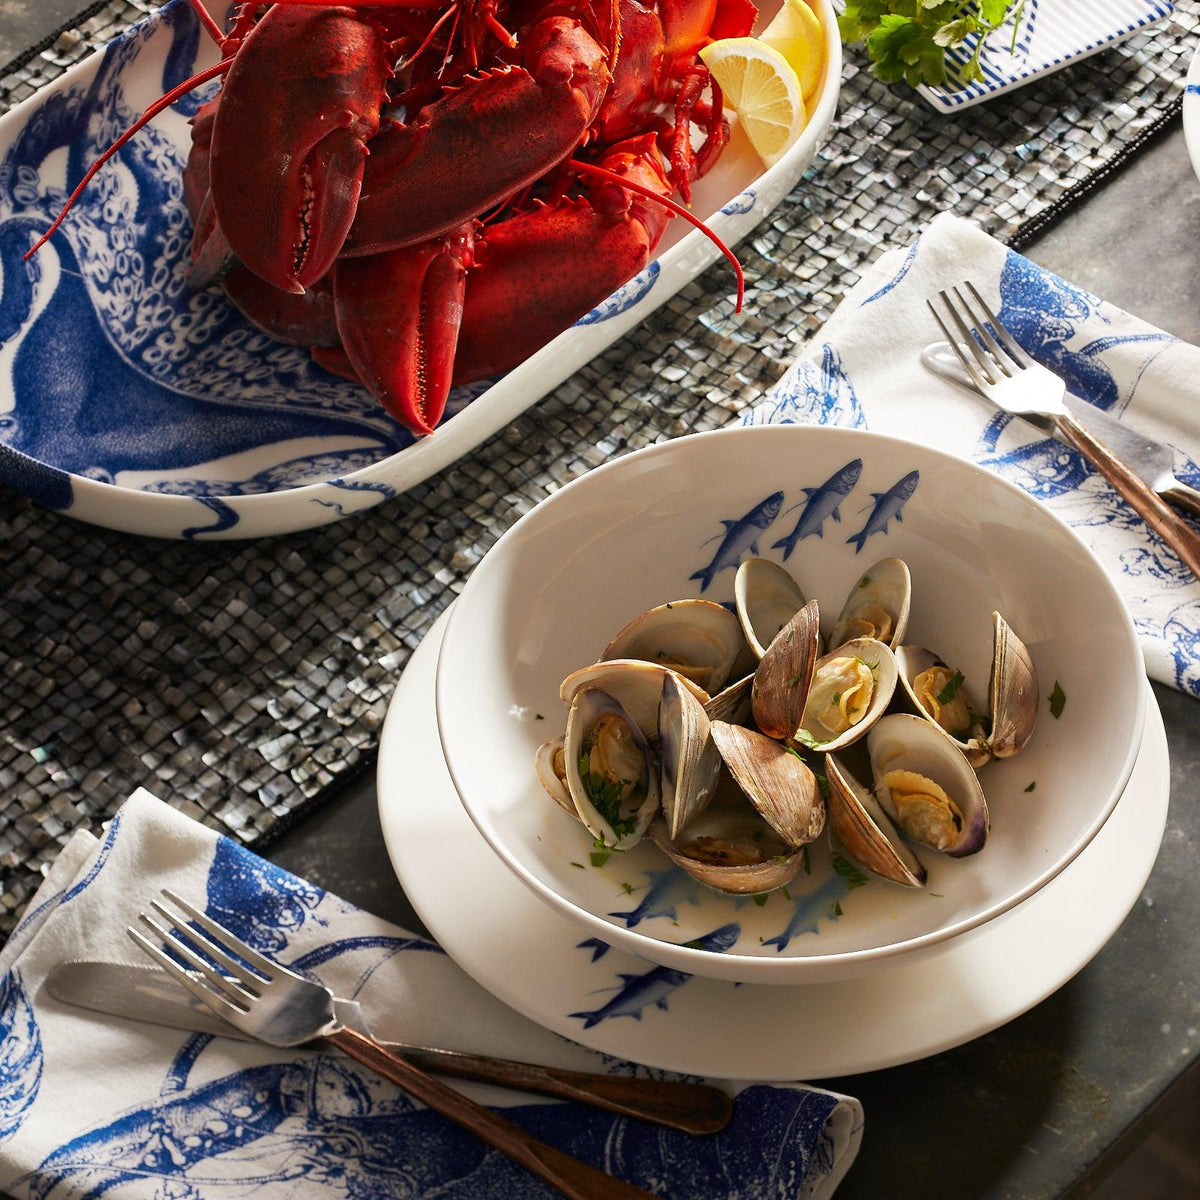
863,370
198,1117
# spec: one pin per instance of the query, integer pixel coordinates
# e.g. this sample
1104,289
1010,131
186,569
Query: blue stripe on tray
1052,33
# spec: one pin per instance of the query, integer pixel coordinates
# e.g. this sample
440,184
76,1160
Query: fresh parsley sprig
908,39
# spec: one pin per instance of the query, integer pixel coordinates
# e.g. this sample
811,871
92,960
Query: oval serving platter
131,402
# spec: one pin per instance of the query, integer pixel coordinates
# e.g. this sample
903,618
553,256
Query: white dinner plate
1191,112
546,968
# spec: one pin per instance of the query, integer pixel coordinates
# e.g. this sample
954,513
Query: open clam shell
695,638
877,606
611,773
781,681
776,781
866,831
730,848
637,685
941,696
551,765
691,764
1013,692
732,704
850,690
907,755
767,598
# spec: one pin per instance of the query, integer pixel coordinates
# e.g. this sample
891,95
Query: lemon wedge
762,88
796,33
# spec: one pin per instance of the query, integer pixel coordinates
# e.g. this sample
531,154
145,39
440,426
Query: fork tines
234,981
987,351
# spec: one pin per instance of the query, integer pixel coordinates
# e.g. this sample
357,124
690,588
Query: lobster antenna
677,209
149,115
205,18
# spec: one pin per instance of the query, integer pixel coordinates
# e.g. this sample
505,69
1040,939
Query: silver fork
281,1008
1005,374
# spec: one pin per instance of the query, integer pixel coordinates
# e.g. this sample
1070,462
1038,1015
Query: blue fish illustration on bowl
741,535
819,504
888,506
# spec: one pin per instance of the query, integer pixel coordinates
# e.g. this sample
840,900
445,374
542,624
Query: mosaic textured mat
244,681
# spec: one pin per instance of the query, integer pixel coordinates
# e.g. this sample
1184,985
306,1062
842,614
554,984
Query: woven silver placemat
242,682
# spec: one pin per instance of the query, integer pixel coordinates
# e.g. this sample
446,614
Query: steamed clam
677,734
877,606
940,695
766,597
926,786
923,790
611,773
697,639
550,762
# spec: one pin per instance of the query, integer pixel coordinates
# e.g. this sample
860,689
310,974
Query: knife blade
146,994
1152,461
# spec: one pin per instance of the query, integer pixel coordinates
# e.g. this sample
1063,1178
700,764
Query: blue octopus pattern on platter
625,297
118,372
21,1057
740,204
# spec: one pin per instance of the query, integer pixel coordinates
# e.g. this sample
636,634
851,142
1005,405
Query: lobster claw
398,314
482,142
539,272
286,176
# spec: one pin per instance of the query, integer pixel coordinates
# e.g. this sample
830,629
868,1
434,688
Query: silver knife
141,993
1152,461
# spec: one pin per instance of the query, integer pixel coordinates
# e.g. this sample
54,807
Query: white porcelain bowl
634,533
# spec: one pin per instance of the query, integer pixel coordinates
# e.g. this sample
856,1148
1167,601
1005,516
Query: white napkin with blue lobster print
863,369
104,1107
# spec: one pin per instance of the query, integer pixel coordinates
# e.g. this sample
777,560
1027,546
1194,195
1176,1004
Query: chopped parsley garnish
951,689
1058,700
1031,786
600,857
939,895
822,785
786,894
538,717
849,872
804,862
837,697
795,679
837,909
759,898
806,739
694,944
791,633
605,795
579,865
627,888
862,583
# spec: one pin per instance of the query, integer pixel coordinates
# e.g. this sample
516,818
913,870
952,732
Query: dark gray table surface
1046,1105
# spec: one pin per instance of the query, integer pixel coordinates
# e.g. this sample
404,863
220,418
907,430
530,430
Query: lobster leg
482,142
398,315
286,175
541,271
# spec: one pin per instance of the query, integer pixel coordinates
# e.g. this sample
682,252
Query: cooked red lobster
427,191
